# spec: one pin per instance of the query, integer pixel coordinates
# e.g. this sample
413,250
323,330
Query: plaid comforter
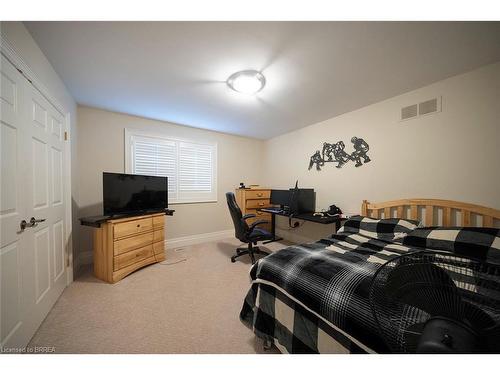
314,298
326,286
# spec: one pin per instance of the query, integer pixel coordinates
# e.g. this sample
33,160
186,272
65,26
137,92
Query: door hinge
65,135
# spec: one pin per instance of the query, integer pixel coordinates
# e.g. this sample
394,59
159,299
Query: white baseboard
174,243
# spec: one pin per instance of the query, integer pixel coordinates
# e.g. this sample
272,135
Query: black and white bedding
314,298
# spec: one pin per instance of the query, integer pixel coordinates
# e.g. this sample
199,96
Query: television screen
129,193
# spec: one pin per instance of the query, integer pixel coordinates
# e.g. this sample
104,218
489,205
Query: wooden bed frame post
364,208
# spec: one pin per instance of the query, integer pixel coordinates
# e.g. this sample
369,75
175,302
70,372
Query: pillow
379,228
472,242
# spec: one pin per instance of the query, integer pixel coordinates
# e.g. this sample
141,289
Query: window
190,166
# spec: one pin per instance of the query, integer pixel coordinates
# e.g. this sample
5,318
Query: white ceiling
176,71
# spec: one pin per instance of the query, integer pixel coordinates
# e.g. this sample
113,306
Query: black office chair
249,234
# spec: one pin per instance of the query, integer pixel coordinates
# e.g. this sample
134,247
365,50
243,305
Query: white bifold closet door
32,185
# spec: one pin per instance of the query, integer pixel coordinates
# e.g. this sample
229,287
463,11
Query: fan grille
407,291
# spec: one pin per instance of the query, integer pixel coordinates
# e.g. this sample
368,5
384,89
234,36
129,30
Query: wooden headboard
434,212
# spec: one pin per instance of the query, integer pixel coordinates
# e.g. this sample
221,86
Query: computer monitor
302,201
281,197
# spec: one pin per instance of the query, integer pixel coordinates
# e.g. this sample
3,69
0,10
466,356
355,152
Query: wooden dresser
250,200
122,246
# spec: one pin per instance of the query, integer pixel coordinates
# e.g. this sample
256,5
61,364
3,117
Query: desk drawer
257,203
127,244
258,194
132,227
132,257
260,215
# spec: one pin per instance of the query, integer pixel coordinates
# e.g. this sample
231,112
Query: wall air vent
409,112
429,106
423,108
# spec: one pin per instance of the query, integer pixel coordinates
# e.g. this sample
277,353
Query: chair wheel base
251,251
267,344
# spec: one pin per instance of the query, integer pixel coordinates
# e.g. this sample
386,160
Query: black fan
430,302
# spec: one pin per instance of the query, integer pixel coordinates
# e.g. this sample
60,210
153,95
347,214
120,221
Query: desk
306,217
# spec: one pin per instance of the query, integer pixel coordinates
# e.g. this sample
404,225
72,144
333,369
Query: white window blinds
189,166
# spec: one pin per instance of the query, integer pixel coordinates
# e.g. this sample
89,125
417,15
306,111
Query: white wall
22,42
101,148
450,155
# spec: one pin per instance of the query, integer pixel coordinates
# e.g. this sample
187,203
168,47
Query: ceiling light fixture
247,81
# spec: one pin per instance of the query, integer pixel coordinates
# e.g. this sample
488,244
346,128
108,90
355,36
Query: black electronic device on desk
333,211
280,198
293,201
333,214
302,201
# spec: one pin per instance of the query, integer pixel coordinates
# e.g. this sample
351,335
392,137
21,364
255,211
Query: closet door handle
23,225
32,223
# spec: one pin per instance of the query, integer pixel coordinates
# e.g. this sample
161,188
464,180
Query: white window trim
129,133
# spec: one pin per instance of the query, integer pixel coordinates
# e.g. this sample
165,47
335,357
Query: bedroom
364,134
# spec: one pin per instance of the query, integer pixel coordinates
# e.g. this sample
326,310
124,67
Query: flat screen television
131,193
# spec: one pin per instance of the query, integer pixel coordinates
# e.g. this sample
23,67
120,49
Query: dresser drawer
127,244
259,215
158,221
257,203
132,227
159,235
132,257
258,194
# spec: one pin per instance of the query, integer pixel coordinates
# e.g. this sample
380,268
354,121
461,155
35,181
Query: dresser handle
259,194
138,225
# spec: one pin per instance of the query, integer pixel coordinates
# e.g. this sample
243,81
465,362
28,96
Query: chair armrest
255,223
247,216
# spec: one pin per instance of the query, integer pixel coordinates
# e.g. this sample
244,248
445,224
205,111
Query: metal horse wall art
335,153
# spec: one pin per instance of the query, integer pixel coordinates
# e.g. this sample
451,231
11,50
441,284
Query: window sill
193,202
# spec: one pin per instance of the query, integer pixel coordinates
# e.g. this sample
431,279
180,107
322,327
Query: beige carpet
188,307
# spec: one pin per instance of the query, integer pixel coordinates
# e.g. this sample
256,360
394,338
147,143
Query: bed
314,298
